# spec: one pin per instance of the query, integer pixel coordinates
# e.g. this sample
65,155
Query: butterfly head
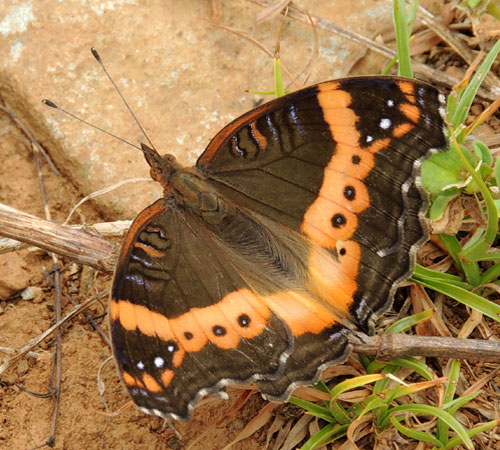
162,167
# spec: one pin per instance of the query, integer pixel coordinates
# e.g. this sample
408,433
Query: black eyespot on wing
218,330
338,220
244,321
349,192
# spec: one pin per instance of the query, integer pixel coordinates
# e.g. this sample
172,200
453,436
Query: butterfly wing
320,212
185,323
338,162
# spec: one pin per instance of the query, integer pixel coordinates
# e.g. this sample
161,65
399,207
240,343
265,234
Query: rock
13,275
184,78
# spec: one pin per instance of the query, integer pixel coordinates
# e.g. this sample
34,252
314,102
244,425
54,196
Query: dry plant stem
31,138
456,44
55,381
90,320
55,377
79,246
389,346
397,345
40,338
425,70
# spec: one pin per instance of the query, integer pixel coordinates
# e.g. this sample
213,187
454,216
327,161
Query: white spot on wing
159,362
385,123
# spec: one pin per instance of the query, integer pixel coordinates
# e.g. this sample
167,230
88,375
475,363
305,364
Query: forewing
339,162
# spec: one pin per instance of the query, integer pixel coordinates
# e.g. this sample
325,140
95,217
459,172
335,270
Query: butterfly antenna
51,104
99,60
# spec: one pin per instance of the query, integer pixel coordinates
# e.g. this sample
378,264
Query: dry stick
77,245
389,346
460,47
429,72
41,337
117,228
54,384
31,138
398,345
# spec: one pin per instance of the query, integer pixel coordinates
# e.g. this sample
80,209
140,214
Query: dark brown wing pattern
339,162
299,219
184,322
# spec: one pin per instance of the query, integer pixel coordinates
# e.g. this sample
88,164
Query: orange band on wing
402,129
301,313
240,314
334,280
332,219
151,384
148,382
407,88
166,377
411,112
145,216
259,137
333,215
149,250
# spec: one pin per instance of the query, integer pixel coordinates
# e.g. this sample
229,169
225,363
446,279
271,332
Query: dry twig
85,248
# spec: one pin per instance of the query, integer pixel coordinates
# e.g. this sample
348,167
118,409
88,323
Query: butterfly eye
156,173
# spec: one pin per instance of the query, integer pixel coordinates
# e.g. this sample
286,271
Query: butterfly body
292,230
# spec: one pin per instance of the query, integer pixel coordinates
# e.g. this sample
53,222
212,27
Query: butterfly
290,233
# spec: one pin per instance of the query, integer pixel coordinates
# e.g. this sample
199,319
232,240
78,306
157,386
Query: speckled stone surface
184,77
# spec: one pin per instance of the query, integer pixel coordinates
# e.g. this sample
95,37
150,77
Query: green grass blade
459,402
442,428
327,434
312,408
470,91
456,441
475,301
401,28
353,383
279,88
440,414
422,273
407,323
491,274
420,436
470,269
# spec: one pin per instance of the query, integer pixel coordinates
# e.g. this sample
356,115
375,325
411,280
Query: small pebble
22,367
32,293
